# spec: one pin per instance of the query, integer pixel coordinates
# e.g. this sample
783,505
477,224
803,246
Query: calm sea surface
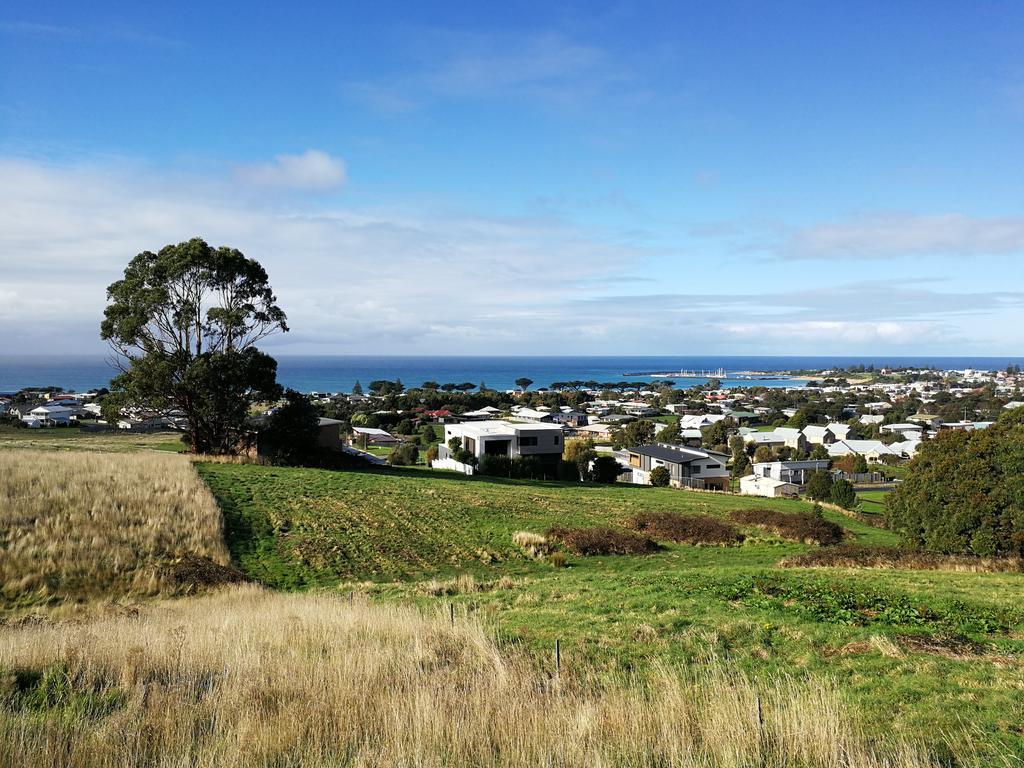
339,373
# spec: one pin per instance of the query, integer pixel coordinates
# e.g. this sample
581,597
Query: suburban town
857,426
512,384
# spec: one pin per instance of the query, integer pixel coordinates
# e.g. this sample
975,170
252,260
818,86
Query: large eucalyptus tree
184,323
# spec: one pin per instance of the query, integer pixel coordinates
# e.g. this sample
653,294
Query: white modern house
501,438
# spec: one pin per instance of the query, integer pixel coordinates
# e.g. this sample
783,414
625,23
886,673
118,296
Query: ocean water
339,373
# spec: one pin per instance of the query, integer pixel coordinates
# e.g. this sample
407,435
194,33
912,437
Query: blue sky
663,178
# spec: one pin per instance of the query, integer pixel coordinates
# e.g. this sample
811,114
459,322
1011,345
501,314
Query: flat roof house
688,467
506,438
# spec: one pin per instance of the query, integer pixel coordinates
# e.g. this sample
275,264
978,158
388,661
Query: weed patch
855,556
603,541
685,529
803,527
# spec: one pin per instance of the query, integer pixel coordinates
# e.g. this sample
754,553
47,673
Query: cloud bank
418,281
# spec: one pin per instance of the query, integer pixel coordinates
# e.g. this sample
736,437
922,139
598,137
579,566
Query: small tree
428,433
660,476
639,432
819,452
291,431
580,451
763,454
606,469
669,433
741,466
819,486
405,454
843,494
357,388
860,464
523,383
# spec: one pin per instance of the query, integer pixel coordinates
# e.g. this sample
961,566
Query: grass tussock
856,556
246,678
603,541
533,545
80,525
803,527
685,529
464,584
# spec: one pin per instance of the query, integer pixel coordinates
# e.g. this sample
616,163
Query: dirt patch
948,646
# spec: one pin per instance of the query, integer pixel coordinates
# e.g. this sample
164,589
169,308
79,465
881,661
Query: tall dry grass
80,525
251,678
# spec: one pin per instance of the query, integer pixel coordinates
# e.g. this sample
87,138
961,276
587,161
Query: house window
528,441
556,439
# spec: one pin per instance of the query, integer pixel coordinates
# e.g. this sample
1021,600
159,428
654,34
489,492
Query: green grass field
926,654
74,439
919,652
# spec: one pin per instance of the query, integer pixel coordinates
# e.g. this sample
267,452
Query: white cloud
312,169
351,280
841,333
889,235
393,281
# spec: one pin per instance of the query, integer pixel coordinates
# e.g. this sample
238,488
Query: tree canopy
184,323
964,492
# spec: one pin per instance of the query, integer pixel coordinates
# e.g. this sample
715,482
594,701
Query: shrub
404,455
605,469
495,465
793,526
819,485
843,494
559,560
685,529
603,541
962,492
431,454
660,476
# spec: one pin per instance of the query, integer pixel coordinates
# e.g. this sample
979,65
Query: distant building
504,438
688,467
756,485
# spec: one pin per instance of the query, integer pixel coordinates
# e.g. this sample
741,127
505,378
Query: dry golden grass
247,678
79,525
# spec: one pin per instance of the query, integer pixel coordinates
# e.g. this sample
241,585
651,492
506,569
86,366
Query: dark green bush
964,492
